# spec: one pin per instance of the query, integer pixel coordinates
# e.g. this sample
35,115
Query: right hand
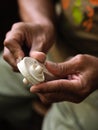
77,79
32,37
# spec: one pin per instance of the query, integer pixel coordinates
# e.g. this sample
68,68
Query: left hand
24,39
78,77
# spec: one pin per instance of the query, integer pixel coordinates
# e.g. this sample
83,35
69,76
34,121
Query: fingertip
33,89
40,56
30,89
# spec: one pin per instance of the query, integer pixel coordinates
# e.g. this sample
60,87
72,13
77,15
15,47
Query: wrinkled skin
24,39
77,78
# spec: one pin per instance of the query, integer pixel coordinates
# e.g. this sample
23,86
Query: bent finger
8,57
57,86
13,42
40,56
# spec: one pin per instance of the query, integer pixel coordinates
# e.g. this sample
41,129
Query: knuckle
17,25
80,58
6,43
4,56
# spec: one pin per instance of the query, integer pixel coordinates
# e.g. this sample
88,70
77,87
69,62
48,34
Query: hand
26,38
77,78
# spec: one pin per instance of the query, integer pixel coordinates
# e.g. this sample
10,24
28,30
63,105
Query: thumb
62,69
40,56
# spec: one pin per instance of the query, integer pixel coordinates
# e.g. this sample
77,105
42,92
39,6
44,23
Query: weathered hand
26,38
77,78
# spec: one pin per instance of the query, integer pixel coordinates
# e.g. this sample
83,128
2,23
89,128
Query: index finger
61,85
13,43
